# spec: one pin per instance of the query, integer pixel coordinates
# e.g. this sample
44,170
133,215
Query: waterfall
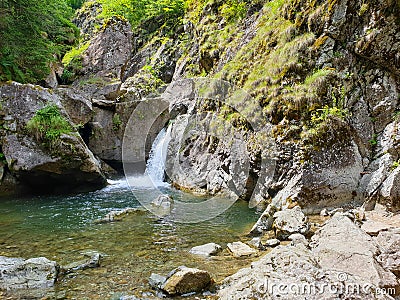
158,156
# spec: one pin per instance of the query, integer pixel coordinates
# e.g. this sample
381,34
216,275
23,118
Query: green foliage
33,34
74,53
2,158
137,11
337,110
116,122
75,4
48,124
373,141
233,10
395,165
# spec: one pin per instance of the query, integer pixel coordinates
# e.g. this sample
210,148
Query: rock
297,238
264,223
272,242
287,271
77,105
341,256
374,227
162,205
118,215
289,221
206,250
389,245
92,262
340,238
109,50
105,104
239,249
34,273
156,281
185,280
69,167
336,210
256,243
324,213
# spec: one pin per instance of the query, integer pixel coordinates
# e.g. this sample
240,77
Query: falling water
158,156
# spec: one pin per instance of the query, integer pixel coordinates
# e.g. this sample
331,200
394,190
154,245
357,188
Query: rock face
70,166
109,50
34,273
185,280
342,257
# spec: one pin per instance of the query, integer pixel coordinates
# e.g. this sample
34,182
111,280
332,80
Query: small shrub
373,141
2,158
116,122
74,53
48,124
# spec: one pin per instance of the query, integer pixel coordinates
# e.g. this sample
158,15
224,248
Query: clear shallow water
61,228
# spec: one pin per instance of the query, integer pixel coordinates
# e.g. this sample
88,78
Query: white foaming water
158,156
154,174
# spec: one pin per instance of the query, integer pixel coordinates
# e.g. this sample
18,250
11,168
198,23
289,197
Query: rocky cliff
323,77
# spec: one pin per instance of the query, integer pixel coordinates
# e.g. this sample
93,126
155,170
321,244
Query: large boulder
68,166
389,245
109,50
34,273
290,221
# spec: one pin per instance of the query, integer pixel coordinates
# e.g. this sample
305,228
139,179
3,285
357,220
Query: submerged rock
162,205
185,280
92,262
206,249
289,221
239,249
118,215
33,273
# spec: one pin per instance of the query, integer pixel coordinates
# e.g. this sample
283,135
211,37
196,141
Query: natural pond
62,228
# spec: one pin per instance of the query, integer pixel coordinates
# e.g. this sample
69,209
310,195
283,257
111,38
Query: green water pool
61,228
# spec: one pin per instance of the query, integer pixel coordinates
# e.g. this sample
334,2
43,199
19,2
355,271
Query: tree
32,35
